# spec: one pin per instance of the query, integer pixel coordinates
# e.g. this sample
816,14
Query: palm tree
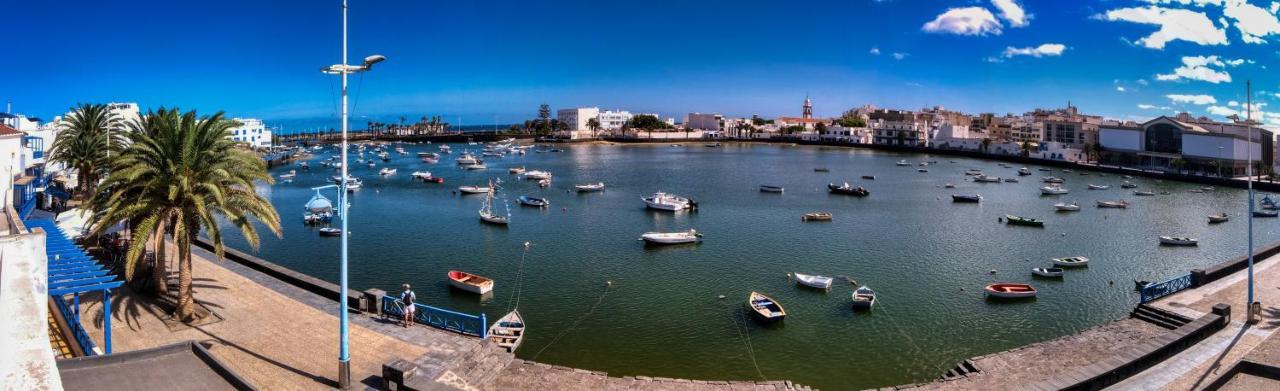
986,145
181,175
1026,148
593,124
88,135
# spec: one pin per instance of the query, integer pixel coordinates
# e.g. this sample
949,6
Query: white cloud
1235,63
1233,103
1145,106
1175,24
1120,88
1222,111
1254,22
1198,3
1047,49
964,21
1012,12
1143,82
1192,99
900,56
875,51
1199,68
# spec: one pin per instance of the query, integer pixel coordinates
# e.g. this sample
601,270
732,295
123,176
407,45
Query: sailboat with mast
486,209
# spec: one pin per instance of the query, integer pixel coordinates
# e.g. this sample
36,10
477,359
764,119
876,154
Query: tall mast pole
1249,173
344,356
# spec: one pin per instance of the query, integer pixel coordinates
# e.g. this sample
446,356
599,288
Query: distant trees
88,135
594,125
646,122
792,129
757,121
986,145
820,127
851,119
1026,148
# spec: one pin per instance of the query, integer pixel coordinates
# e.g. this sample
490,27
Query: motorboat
537,175
664,201
387,171
1053,190
1218,218
590,187
466,159
1052,179
304,165
690,236
533,201
1019,220
1066,170
922,170
330,231
1047,272
421,175
869,177
354,184
903,163
474,189
765,308
1128,185
922,164
1113,204
976,198
973,172
312,218
1067,207
949,186
1007,290
1266,213
847,189
813,280
508,331
986,178
1024,171
1178,241
816,216
476,166
1071,262
1011,180
771,189
470,282
1098,187
1142,193
289,175
430,160
544,183
516,170
863,298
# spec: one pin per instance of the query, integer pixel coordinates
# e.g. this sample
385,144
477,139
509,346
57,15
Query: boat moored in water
863,298
813,280
1142,193
1067,207
1008,290
1113,204
816,216
590,187
976,198
1071,261
330,231
474,189
1019,220
508,331
668,202
1047,272
1218,218
533,201
1098,187
690,236
771,189
1053,190
847,189
1266,213
766,308
470,282
385,171
1178,241
1024,171
986,179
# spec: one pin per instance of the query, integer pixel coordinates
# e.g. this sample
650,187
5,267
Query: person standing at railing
407,298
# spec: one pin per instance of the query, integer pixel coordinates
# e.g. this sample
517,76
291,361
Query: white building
703,121
1187,144
251,131
613,120
127,113
839,133
19,122
577,119
11,160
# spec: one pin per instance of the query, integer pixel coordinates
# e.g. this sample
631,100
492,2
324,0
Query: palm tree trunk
185,301
159,272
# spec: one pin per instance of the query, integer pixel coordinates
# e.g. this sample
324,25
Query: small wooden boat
533,201
922,170
1128,185
1178,241
1047,272
474,189
816,216
1053,190
1065,207
1266,213
590,187
1098,187
821,169
869,177
330,231
863,298
813,280
973,172
1071,261
847,189
1113,204
765,308
1027,221
1141,193
986,179
1218,218
1006,290
508,331
385,171
470,282
690,236
976,198
771,189
903,163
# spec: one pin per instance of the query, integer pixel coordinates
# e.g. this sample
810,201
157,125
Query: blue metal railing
1158,290
77,329
476,325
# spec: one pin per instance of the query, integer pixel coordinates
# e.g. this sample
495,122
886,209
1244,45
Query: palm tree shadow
125,305
1217,363
319,379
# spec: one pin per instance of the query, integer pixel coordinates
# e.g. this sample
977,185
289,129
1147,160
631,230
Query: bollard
373,300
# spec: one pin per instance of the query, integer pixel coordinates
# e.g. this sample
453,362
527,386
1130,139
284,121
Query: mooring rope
575,323
513,300
745,335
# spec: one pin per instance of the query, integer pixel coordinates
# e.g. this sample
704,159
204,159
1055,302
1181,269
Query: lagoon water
662,316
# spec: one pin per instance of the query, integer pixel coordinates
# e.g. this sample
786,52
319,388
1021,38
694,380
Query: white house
614,119
251,131
577,119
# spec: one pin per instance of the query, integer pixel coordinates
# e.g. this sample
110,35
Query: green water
927,257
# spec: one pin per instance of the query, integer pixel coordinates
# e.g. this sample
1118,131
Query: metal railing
1158,290
77,329
475,325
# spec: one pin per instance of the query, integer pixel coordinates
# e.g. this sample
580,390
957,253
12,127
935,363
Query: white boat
537,175
474,189
664,201
508,331
1071,261
1024,171
387,171
904,163
516,170
1053,190
985,178
1218,218
544,183
477,166
1052,179
690,236
864,298
590,187
470,282
421,175
466,159
771,189
1113,204
1178,241
1065,207
1098,187
1127,185
289,175
1047,272
973,172
486,209
1010,290
813,280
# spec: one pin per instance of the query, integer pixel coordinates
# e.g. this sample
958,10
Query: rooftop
180,366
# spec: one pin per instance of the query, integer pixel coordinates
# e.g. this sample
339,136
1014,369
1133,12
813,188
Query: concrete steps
1159,317
964,368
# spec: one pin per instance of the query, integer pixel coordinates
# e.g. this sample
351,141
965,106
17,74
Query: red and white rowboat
470,282
1008,290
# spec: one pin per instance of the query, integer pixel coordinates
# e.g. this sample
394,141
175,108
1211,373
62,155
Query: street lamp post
1253,306
342,69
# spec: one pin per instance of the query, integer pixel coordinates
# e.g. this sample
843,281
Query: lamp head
374,59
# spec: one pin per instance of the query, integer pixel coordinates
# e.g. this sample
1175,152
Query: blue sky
495,61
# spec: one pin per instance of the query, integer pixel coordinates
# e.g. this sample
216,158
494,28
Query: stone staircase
1159,317
963,369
